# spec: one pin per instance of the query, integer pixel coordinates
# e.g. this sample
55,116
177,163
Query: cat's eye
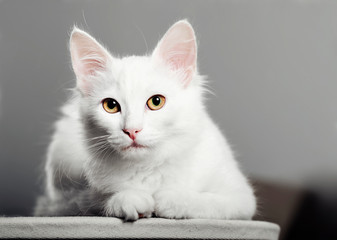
110,105
156,102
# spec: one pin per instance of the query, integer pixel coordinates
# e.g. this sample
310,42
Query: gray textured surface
102,227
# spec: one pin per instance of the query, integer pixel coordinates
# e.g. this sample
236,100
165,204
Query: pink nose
132,132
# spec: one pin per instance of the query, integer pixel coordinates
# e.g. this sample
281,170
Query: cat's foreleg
191,204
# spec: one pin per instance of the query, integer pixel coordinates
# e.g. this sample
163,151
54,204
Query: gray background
271,66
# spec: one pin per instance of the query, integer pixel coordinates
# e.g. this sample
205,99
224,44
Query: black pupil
156,100
112,103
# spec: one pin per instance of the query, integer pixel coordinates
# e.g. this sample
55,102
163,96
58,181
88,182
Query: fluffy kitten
136,140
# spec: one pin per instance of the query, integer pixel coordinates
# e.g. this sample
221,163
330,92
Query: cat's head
139,104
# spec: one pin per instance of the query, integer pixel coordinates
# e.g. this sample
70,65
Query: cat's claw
129,205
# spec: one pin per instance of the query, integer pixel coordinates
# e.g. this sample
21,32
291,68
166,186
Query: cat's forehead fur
140,71
134,72
139,76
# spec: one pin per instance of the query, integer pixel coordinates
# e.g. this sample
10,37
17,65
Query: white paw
171,204
129,205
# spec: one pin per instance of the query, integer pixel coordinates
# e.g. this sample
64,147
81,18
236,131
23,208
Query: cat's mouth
134,145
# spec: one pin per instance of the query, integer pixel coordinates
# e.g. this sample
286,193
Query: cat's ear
178,50
88,58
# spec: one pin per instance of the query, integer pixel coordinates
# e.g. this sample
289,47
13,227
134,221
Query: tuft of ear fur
88,58
178,50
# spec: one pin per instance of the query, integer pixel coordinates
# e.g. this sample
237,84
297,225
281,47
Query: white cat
136,139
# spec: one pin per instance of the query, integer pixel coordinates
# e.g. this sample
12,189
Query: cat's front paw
129,205
171,204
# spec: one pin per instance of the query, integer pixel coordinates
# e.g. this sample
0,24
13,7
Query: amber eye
156,102
110,105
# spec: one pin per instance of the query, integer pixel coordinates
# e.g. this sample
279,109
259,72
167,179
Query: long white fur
186,171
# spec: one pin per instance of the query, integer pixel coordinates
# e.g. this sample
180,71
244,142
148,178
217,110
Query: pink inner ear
178,50
88,57
90,64
181,56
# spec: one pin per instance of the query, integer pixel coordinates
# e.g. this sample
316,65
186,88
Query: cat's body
141,158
